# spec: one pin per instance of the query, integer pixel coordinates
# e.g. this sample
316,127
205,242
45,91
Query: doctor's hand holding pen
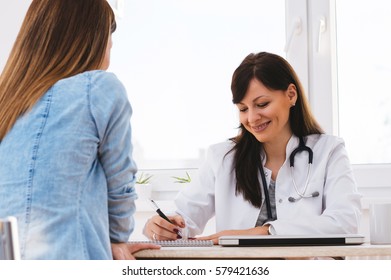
161,227
158,228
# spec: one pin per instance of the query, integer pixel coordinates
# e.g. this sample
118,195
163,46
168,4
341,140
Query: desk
219,252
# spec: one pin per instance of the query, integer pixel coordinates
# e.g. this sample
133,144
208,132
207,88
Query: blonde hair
58,39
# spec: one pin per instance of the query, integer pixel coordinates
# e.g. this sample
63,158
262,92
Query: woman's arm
262,230
124,251
111,111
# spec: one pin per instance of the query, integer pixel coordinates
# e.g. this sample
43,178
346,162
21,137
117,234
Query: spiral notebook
178,243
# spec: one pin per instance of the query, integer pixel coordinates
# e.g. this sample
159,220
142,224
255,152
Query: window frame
318,70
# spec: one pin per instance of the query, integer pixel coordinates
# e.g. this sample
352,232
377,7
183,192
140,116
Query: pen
161,214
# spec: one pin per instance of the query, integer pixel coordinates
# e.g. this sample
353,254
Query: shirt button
280,200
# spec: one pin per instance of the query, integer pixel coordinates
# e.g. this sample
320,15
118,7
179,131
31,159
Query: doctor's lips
260,128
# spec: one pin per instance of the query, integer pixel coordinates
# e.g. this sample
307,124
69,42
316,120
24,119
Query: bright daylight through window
364,72
176,59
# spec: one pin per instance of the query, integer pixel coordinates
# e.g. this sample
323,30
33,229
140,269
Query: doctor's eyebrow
254,100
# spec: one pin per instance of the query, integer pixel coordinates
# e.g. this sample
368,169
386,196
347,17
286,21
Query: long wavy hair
275,73
57,39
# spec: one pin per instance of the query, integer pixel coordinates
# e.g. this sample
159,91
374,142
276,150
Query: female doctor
280,175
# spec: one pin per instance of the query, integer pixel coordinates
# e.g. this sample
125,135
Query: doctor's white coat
337,209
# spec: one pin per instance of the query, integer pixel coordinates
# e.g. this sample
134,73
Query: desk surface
219,252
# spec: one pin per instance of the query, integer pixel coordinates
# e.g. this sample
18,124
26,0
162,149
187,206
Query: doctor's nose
253,116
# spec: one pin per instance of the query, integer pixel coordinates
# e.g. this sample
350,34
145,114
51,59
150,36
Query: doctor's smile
260,128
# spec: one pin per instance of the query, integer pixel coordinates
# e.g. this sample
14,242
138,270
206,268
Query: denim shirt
67,173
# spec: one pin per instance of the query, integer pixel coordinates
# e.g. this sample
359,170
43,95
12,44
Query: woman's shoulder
94,80
102,76
324,140
222,146
219,156
220,149
103,90
106,82
95,74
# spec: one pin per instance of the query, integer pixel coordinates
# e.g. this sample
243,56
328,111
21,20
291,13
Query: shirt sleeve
112,111
196,203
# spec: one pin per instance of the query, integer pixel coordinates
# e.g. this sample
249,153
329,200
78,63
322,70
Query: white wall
11,17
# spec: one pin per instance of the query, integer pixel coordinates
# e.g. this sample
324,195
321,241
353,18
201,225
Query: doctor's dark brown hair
58,39
275,73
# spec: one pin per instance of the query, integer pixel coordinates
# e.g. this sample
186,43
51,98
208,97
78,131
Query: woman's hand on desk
158,228
263,230
124,251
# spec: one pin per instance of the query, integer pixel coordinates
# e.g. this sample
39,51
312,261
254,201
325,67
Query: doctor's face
265,113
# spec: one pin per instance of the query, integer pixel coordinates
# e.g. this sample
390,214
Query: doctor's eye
263,104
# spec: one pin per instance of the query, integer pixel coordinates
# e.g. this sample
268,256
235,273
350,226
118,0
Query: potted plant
182,180
143,185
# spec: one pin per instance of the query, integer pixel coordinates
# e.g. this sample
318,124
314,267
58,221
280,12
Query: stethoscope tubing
301,148
302,194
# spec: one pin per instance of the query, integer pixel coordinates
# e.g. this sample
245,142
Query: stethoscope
301,148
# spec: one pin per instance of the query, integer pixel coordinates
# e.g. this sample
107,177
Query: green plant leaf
144,179
182,180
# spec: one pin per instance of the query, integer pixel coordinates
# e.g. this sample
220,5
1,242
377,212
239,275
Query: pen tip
153,203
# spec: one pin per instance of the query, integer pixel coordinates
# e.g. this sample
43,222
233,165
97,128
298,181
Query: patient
280,175
67,172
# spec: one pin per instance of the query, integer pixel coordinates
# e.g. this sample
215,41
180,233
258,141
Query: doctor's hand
263,230
124,251
158,228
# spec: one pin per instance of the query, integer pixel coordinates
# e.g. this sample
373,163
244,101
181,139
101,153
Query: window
364,72
176,59
341,53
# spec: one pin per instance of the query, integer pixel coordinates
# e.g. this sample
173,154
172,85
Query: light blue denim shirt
67,173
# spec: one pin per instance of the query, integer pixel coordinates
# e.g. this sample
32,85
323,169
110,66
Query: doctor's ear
292,94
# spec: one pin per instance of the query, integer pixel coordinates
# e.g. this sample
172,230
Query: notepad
178,243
